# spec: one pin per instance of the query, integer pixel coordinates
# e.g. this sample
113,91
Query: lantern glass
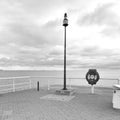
65,22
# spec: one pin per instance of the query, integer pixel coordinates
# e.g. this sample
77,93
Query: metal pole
118,81
48,85
37,85
13,85
65,60
70,83
30,83
92,89
65,24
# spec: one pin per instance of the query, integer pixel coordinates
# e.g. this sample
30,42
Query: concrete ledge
65,92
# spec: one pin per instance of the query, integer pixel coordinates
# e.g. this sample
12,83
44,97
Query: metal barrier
28,82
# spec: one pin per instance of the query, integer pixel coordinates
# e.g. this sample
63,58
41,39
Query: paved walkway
27,105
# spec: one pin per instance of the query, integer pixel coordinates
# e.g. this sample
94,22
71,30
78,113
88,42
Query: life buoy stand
92,76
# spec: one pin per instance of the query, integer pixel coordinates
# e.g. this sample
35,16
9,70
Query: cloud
56,51
24,38
103,15
95,51
29,31
31,34
94,56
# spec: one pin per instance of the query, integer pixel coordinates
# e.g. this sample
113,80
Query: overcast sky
32,35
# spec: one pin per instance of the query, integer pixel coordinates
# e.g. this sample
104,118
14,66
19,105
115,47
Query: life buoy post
92,89
92,78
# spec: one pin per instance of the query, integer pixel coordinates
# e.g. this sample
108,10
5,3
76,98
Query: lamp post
65,24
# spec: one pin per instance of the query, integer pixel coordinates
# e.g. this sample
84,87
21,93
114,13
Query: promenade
37,105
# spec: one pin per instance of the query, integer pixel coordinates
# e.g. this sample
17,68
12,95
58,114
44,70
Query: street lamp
65,91
65,24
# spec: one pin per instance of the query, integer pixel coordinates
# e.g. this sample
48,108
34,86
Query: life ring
92,76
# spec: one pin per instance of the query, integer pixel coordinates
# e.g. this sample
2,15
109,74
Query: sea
74,77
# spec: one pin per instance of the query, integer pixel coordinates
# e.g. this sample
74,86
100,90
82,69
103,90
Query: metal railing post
13,85
37,85
118,81
48,85
70,83
30,83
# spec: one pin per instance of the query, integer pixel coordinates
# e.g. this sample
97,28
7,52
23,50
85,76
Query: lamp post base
65,92
64,89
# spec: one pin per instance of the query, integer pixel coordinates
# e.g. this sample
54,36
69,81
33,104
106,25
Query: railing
12,84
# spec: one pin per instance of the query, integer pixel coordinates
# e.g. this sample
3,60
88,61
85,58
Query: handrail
70,77
14,77
109,78
6,89
22,83
46,77
6,85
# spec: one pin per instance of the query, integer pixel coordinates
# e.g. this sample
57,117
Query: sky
32,35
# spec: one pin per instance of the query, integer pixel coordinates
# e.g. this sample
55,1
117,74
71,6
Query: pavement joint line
7,115
57,97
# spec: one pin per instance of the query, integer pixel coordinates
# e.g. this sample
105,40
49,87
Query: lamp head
65,21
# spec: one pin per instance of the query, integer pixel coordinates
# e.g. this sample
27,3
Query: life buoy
92,76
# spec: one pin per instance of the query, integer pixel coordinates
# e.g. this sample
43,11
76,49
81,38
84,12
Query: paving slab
57,97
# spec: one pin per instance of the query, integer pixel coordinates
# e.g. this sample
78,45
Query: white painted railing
28,82
11,84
